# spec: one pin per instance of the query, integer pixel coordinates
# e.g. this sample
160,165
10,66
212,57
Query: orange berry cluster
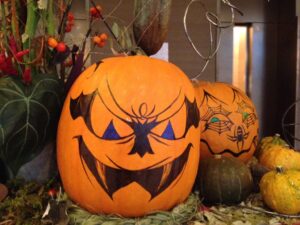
100,40
70,22
59,46
95,12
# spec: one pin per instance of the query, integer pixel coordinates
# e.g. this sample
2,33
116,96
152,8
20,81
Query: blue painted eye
111,133
169,132
215,120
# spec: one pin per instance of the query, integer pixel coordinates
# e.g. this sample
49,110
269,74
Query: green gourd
150,27
224,180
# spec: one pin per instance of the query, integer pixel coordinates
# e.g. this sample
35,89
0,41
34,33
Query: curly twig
213,20
260,210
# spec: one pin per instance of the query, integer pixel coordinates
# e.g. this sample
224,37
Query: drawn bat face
229,122
137,138
138,141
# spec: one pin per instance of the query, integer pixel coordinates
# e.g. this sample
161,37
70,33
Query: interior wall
273,66
287,60
297,111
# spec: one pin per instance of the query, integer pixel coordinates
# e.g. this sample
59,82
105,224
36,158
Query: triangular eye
168,133
111,133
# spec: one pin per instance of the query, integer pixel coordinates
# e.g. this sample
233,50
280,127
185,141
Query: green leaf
116,29
28,116
127,38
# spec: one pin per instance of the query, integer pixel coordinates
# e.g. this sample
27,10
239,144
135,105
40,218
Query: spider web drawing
220,125
250,118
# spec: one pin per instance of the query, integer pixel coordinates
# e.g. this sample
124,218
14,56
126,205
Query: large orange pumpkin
128,137
229,123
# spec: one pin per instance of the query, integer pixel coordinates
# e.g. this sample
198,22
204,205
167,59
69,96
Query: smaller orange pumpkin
268,142
229,122
278,155
280,190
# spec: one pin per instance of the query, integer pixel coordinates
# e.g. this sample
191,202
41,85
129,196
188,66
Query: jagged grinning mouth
153,179
235,154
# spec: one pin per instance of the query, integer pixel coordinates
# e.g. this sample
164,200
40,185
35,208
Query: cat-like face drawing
229,123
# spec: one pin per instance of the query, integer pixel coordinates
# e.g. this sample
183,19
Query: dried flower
27,76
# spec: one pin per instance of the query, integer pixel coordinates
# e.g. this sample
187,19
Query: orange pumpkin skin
229,122
128,137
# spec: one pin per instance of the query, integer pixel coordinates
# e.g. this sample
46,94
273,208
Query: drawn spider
240,135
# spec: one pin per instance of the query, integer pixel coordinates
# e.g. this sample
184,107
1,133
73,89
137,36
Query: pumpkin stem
217,156
279,169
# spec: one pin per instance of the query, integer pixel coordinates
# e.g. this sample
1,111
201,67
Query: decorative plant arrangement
37,68
132,148
30,88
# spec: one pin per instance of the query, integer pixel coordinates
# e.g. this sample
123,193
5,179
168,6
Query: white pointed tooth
166,172
101,171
